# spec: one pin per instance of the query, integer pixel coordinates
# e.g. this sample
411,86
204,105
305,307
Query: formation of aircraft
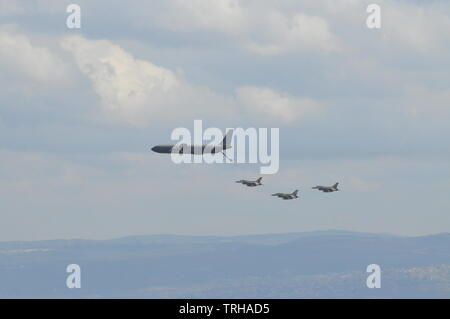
202,149
250,183
294,194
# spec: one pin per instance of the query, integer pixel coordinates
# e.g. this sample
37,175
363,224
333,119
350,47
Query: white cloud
275,105
417,27
220,15
137,91
125,85
19,57
262,28
296,34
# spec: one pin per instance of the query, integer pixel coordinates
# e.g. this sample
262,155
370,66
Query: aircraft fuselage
189,149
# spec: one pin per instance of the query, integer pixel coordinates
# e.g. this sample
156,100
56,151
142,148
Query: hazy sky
81,108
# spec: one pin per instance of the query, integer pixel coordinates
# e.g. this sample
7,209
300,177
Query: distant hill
324,264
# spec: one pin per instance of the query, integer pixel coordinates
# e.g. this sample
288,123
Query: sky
81,108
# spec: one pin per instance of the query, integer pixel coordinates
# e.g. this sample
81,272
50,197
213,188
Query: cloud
296,34
137,91
262,28
19,57
125,85
222,15
415,27
275,105
363,93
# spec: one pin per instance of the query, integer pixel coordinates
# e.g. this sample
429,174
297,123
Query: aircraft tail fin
259,180
226,142
295,192
335,185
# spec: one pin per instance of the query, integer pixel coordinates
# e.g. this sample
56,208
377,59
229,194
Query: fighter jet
327,189
250,183
287,196
196,149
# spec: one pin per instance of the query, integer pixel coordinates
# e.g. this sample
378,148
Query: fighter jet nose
155,148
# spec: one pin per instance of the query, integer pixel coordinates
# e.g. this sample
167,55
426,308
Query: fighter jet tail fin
226,142
295,192
259,180
335,185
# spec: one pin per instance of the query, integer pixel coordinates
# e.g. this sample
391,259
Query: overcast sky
81,108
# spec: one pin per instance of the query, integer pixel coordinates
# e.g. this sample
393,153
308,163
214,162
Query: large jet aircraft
327,189
196,149
250,183
287,196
